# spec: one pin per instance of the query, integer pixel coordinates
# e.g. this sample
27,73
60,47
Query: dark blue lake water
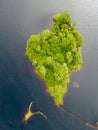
18,83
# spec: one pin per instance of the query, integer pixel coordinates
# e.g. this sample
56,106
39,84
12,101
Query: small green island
55,54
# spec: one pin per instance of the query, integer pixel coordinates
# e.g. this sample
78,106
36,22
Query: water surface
18,83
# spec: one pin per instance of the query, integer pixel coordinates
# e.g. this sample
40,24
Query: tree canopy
55,54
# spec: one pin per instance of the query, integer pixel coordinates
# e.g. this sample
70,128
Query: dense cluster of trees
56,54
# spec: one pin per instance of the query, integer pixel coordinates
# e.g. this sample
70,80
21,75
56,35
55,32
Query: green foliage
55,54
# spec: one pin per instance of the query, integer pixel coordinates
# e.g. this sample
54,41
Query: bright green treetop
56,54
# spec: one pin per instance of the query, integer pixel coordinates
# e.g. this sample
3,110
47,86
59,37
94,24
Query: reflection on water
18,20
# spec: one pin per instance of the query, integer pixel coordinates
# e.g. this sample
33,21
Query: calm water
18,83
